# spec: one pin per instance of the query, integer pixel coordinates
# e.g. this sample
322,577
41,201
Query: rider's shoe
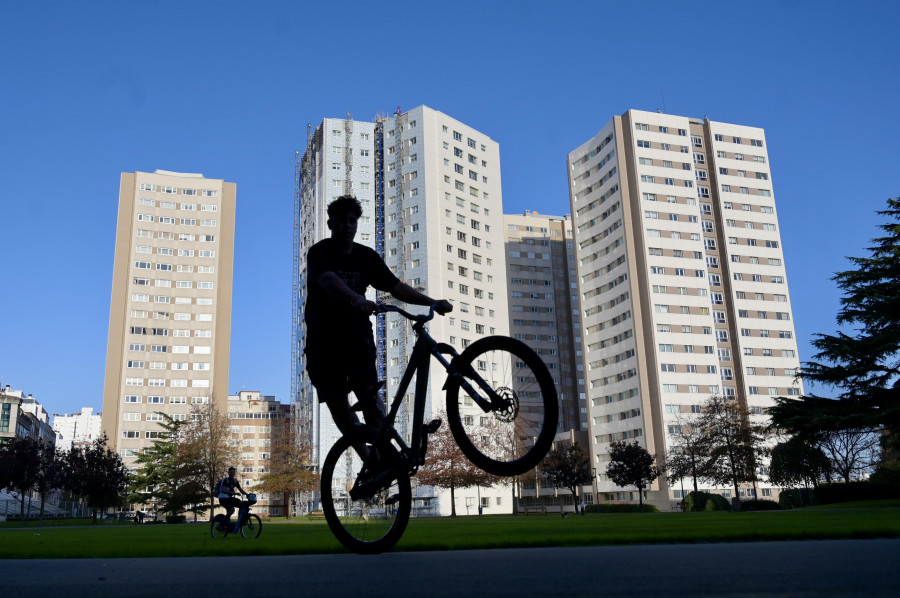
432,426
393,499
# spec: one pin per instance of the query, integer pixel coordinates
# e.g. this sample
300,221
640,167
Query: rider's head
343,214
231,472
343,205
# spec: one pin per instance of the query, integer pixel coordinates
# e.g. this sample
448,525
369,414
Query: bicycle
248,524
367,501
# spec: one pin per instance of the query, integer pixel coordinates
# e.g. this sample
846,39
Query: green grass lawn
306,537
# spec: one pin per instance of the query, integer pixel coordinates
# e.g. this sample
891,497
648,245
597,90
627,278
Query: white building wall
77,428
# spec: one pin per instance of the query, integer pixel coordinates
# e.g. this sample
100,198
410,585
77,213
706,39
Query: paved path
869,568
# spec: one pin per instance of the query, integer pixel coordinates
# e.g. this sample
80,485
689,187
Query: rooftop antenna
663,96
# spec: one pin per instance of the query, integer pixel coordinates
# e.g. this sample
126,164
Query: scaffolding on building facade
303,399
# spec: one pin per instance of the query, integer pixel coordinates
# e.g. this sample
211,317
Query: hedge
760,505
620,508
704,501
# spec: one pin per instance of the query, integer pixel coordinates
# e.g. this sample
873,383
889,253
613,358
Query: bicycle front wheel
364,524
253,527
518,429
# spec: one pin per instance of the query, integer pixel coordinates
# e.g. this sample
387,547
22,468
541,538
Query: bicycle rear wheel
253,527
365,524
216,527
518,431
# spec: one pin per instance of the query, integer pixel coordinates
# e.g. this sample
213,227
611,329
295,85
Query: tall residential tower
432,207
544,304
682,280
170,311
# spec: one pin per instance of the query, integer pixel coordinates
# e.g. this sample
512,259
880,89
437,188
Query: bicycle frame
419,366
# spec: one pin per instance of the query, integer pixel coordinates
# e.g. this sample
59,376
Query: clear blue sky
89,90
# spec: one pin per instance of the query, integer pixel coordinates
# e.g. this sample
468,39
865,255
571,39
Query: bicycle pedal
393,499
432,426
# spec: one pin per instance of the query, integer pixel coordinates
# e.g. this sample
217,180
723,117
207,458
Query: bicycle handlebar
381,308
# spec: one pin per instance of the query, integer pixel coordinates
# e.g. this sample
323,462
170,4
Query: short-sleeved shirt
327,319
230,484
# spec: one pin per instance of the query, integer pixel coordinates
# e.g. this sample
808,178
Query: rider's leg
345,419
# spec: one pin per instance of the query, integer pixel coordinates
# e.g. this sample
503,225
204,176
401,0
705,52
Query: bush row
828,494
620,508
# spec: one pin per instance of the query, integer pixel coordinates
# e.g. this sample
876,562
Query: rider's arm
342,293
407,294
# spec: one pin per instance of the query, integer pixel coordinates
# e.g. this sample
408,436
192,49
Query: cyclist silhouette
340,348
227,493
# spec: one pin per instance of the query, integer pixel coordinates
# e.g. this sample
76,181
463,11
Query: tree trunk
694,473
641,497
452,501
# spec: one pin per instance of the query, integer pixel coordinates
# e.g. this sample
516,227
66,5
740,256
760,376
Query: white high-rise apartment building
170,311
432,207
682,277
77,429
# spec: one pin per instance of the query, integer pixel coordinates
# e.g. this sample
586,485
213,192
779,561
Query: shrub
828,494
760,504
620,508
176,518
704,501
789,499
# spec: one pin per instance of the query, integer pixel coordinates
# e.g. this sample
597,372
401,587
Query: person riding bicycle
340,348
226,489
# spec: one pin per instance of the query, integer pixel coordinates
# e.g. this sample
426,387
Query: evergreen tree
165,477
861,362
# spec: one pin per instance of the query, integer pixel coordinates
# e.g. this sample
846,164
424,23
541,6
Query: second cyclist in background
226,490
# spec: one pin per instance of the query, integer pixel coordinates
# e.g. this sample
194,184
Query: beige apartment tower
170,311
544,305
682,281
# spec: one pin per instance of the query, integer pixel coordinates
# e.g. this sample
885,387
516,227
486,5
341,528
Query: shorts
337,368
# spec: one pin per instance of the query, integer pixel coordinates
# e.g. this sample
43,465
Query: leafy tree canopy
631,465
567,466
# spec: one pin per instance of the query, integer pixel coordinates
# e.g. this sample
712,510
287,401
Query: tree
207,443
448,468
688,453
852,452
20,467
51,472
797,462
731,442
165,477
290,468
631,465
567,466
863,363
96,474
